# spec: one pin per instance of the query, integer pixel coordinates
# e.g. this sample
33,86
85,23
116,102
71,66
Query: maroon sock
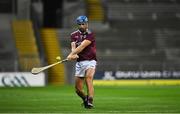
80,94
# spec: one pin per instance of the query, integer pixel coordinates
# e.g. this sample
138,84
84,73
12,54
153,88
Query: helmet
81,19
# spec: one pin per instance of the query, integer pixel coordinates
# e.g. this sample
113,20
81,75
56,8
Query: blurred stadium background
138,43
136,39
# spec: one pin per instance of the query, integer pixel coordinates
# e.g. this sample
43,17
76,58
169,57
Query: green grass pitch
108,99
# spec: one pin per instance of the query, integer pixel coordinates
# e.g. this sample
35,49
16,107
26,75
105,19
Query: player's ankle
90,100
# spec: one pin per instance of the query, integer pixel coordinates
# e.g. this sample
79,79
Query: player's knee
89,78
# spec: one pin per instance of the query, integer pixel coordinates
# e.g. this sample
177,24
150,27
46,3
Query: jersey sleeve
72,38
90,37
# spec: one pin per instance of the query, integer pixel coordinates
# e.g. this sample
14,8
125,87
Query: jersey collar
84,32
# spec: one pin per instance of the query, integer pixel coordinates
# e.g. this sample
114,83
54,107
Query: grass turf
108,99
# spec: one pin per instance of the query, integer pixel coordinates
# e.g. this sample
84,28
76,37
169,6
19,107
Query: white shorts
82,66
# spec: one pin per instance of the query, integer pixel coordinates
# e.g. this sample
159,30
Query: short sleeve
72,38
90,37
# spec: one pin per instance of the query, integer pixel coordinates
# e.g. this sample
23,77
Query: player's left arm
83,45
77,50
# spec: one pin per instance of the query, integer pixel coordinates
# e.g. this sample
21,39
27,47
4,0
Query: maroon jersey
88,53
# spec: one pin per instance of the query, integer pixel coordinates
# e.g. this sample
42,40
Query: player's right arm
73,46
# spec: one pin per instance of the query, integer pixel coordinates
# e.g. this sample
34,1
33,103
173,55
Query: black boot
85,101
90,103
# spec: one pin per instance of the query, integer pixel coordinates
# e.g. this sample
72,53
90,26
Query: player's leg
79,81
89,83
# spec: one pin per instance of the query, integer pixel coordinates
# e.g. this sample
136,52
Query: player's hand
72,57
